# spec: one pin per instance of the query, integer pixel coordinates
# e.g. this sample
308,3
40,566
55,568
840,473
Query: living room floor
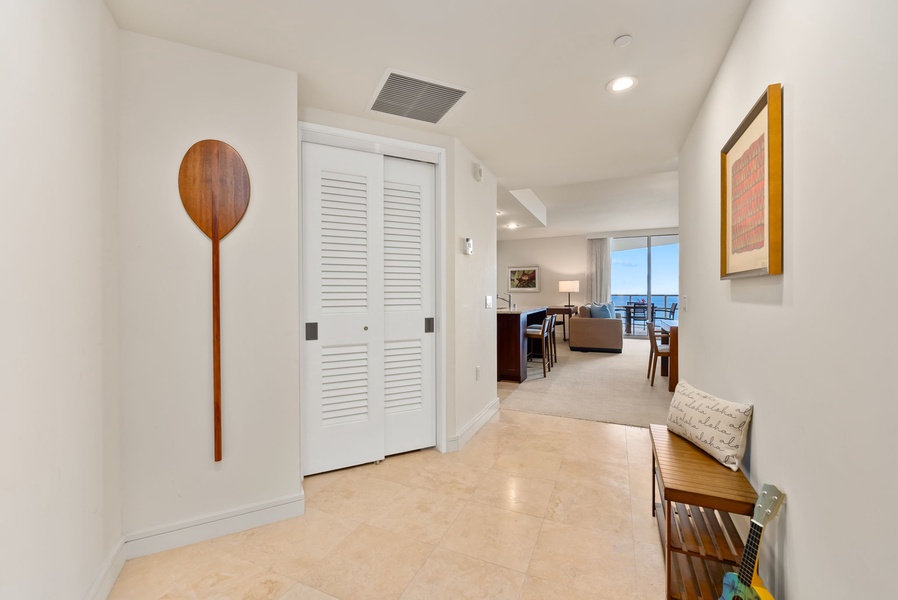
534,507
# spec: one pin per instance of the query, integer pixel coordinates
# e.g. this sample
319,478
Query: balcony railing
660,301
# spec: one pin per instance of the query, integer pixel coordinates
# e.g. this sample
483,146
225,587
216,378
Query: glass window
629,270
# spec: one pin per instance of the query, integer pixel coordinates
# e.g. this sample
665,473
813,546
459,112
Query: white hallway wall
819,378
559,259
173,96
474,328
60,506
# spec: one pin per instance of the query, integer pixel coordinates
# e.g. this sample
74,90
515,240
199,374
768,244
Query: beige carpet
593,385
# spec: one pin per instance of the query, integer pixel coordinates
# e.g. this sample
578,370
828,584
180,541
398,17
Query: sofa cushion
584,311
717,426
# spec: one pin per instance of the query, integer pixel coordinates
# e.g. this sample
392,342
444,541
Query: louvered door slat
344,242
403,376
344,384
402,246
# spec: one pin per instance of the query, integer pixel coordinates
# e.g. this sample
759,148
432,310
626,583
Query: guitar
747,584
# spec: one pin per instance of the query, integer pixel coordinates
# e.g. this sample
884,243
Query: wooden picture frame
523,279
751,192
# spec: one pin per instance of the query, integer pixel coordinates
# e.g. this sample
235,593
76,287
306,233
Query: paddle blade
214,183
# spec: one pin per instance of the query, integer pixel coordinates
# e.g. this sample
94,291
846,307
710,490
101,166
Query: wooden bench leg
668,568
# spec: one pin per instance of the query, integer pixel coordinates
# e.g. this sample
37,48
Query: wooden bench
696,495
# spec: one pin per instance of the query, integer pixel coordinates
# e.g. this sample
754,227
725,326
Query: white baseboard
207,527
112,566
464,436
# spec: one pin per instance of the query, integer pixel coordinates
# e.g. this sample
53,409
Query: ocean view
659,300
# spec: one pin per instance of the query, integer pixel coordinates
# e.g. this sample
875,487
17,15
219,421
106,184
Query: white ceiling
536,113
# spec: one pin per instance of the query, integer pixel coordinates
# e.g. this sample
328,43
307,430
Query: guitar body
733,589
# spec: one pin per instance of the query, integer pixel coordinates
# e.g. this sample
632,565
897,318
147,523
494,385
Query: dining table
629,309
670,329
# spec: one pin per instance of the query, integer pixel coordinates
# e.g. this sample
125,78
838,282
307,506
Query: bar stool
553,352
542,334
553,339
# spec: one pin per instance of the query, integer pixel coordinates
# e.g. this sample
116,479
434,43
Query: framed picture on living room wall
523,279
751,192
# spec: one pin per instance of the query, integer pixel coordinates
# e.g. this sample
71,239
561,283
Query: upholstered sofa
595,334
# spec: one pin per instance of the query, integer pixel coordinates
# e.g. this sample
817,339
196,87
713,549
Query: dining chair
656,351
665,313
542,334
640,313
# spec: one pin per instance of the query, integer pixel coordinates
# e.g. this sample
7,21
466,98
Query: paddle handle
216,347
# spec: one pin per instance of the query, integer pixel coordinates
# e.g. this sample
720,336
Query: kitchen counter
511,346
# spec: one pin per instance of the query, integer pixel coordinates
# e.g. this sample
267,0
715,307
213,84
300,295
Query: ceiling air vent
414,98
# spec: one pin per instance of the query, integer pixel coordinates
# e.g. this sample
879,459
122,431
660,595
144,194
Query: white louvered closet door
342,402
409,351
368,380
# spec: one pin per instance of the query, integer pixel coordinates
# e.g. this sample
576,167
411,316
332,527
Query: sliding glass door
645,269
664,280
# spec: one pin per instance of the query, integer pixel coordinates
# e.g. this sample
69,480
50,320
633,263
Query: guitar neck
750,555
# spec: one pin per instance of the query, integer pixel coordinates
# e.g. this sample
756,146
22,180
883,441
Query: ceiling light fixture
498,212
622,84
512,226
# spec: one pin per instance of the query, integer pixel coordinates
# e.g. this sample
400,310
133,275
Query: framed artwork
751,192
523,279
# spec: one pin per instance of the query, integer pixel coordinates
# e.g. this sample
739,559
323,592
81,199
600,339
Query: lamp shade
569,286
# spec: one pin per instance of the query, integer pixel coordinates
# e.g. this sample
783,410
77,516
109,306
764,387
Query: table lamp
569,286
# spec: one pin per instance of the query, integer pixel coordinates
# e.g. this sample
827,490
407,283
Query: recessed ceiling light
622,84
623,40
498,212
512,226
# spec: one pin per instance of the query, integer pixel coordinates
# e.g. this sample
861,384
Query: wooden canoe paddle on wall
214,187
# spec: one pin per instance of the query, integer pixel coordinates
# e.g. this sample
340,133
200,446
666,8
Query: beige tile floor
533,508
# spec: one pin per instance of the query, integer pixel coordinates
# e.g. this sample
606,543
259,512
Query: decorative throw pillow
717,426
605,311
595,310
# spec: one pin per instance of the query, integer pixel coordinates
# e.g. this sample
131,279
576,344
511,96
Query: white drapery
598,271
